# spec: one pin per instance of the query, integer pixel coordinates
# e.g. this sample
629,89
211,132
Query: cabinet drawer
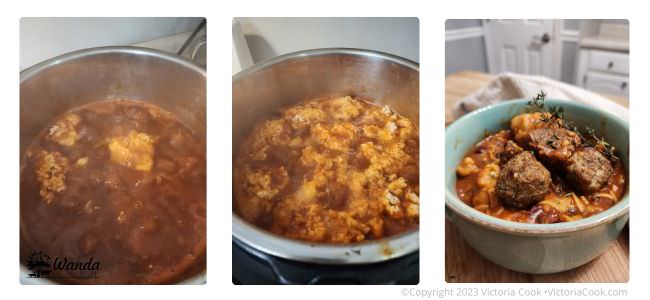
609,61
608,84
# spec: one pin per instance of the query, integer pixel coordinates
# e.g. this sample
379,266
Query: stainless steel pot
288,79
52,87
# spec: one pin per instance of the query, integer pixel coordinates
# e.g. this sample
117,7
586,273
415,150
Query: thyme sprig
557,112
591,139
538,101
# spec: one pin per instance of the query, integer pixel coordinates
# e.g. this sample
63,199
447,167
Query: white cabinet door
607,83
521,46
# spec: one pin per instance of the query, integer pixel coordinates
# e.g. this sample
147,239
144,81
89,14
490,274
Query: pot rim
326,51
463,210
82,53
373,251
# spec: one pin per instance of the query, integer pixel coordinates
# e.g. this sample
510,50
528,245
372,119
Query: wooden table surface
463,264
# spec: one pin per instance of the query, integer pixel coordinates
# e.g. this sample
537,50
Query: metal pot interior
62,83
262,90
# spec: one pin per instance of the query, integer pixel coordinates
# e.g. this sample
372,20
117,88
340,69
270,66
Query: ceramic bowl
533,248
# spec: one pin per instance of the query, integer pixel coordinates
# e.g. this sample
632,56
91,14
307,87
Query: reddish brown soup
121,183
478,173
335,170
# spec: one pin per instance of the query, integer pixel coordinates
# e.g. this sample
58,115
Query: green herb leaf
538,101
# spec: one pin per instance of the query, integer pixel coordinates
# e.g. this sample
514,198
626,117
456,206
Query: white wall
43,38
464,51
269,37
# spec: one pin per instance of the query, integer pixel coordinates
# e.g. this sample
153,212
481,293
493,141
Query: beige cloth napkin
509,86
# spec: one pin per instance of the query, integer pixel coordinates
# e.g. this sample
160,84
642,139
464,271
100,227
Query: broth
479,172
122,183
330,171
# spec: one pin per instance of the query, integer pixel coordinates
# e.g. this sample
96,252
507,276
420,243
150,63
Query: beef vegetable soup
330,171
121,183
541,170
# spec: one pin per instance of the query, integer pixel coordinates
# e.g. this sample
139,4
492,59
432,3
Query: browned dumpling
523,181
553,146
589,170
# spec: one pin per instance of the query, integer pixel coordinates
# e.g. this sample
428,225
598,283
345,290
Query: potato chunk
344,108
63,131
467,167
134,151
50,173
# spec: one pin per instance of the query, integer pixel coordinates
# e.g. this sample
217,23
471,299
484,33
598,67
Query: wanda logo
42,265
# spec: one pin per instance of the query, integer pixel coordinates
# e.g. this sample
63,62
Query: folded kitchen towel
508,86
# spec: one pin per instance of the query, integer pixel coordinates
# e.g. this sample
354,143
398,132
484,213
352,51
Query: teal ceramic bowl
533,248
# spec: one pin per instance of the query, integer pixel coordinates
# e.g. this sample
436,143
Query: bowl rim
326,51
86,52
458,207
371,251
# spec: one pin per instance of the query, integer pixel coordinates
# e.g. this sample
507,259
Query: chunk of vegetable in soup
121,183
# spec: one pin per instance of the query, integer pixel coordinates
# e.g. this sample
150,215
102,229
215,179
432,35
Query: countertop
463,264
598,42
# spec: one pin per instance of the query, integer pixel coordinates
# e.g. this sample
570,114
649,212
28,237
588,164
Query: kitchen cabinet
604,71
